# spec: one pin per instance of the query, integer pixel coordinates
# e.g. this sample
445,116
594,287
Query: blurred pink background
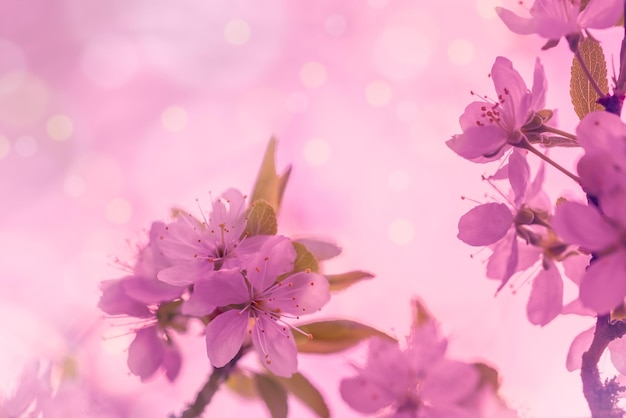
113,111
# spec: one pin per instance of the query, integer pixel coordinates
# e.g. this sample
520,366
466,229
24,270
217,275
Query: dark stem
601,397
218,376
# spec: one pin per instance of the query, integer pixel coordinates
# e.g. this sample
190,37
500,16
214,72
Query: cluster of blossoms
586,238
241,285
419,380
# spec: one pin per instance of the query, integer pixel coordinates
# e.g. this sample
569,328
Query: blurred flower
141,295
198,248
415,382
489,129
255,304
553,19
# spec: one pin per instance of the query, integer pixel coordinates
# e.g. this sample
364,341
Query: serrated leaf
262,219
334,336
270,186
304,259
273,394
343,281
420,313
242,384
584,97
306,392
488,376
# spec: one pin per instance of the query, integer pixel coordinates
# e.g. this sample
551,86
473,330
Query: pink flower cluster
243,286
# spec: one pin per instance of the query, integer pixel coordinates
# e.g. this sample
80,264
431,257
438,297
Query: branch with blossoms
585,238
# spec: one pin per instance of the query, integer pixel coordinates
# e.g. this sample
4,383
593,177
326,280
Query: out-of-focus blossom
197,248
554,19
599,229
489,129
259,305
26,400
418,381
141,295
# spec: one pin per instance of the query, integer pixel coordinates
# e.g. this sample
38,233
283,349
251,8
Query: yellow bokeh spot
313,74
118,210
174,119
378,93
460,51
59,127
317,151
237,32
401,232
5,146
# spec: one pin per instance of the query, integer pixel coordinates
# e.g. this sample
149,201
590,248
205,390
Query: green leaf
242,384
273,394
584,97
420,313
270,186
304,259
262,219
306,392
343,281
488,376
334,336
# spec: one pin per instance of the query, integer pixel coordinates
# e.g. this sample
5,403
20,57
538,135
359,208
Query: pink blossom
553,19
500,225
141,295
489,129
259,305
603,285
31,388
415,382
197,248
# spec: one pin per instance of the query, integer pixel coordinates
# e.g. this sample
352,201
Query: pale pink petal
576,307
519,176
479,144
179,239
145,353
515,23
603,286
601,131
115,301
617,348
485,224
321,248
601,14
197,305
275,346
148,291
225,335
300,294
275,258
512,94
575,266
449,381
364,395
583,225
224,287
185,273
28,388
540,87
546,296
172,361
581,344
500,262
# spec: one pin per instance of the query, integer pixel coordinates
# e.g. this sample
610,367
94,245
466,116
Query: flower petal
145,353
225,335
617,348
601,14
515,23
581,343
300,294
172,361
449,381
519,175
222,288
276,257
275,346
583,225
185,273
115,301
485,224
364,395
546,297
479,144
148,291
603,286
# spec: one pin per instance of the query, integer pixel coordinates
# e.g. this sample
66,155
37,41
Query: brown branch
601,397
